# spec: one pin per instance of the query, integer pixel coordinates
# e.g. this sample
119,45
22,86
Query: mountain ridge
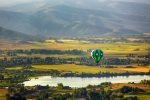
64,20
10,35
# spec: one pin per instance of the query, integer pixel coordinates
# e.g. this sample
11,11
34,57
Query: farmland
3,93
89,69
85,69
69,58
108,48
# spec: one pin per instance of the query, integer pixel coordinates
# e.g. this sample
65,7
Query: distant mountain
105,19
9,35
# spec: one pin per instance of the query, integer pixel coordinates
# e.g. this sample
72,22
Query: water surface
83,82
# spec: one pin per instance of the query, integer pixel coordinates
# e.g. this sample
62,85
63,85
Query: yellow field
50,55
113,48
120,85
3,93
14,68
107,48
137,69
88,69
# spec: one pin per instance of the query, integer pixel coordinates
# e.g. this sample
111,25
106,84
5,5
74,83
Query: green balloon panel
97,55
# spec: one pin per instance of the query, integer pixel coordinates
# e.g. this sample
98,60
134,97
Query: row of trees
41,51
103,74
1,77
147,82
21,61
19,92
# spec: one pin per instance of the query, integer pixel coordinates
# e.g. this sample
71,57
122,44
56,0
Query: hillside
53,19
9,35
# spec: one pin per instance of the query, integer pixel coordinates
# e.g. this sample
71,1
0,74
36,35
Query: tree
1,77
7,96
60,86
147,82
92,95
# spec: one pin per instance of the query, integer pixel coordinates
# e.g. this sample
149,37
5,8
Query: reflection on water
83,82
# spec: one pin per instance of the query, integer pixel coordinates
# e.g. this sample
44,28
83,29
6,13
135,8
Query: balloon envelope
97,55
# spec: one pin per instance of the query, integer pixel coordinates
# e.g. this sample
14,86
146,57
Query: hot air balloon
97,55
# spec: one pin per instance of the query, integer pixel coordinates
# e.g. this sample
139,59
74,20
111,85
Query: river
83,82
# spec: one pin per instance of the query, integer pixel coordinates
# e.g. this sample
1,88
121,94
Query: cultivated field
144,96
89,69
14,68
51,55
119,85
3,93
108,48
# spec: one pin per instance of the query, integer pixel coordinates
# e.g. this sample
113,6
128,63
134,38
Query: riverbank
125,91
79,82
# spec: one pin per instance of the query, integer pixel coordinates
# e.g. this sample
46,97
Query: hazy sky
14,2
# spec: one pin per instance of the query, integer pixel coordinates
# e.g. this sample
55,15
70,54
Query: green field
140,96
14,68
